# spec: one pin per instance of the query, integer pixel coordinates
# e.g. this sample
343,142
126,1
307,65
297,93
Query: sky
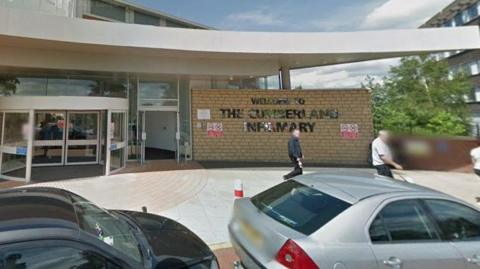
309,16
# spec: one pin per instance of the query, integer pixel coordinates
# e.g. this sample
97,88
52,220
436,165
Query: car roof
33,206
356,185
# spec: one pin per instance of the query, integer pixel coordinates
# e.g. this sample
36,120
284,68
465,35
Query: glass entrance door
82,141
14,145
49,137
118,141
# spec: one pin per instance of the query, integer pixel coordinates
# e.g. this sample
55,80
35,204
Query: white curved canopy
22,29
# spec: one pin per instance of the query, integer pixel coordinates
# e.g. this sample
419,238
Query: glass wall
108,10
133,139
157,95
118,140
82,137
145,19
25,84
260,83
48,138
14,144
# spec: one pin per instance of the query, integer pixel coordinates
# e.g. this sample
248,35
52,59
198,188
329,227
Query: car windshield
107,227
299,207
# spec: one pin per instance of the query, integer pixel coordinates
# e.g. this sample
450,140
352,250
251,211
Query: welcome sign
282,118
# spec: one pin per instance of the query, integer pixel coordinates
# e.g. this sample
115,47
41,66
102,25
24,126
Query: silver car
361,221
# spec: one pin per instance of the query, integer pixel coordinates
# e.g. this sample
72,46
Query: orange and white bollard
238,192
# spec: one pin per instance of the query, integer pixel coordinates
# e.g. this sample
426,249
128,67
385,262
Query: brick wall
325,145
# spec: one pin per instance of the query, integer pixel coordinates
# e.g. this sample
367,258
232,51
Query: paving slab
202,199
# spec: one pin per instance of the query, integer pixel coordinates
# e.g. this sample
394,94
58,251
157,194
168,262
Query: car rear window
299,207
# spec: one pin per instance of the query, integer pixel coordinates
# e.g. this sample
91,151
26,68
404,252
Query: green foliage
8,85
420,97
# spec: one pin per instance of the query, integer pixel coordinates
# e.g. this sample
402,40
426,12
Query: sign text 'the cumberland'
279,119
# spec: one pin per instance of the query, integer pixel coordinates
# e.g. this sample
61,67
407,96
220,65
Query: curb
218,246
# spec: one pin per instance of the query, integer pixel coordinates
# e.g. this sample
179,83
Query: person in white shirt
475,154
382,156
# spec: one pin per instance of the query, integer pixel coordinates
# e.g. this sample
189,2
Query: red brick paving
226,257
11,184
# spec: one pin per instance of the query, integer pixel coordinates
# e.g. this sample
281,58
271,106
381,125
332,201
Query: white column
109,143
286,83
177,133
28,172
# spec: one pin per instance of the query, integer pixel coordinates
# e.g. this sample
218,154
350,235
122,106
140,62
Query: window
458,20
465,16
378,233
299,207
158,94
107,227
402,221
473,68
55,258
477,94
456,221
107,10
142,18
473,11
176,24
54,84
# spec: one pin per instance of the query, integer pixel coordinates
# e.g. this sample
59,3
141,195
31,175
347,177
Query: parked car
47,228
355,221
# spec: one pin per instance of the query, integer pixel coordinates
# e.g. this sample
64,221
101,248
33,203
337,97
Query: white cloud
341,76
389,15
403,14
258,17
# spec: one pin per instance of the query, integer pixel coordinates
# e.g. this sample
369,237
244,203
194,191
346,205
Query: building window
108,10
458,20
55,84
477,94
176,25
474,68
145,19
473,11
465,16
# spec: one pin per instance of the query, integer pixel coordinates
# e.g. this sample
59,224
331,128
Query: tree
420,96
8,85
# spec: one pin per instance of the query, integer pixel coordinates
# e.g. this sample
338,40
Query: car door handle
393,262
474,260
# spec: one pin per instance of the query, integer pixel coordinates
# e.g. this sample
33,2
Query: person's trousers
297,170
477,172
384,170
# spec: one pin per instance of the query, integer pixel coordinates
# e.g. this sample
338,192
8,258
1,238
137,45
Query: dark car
47,228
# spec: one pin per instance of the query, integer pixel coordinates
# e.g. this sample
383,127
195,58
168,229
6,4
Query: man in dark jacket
295,154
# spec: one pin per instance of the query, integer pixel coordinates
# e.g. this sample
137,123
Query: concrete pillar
285,74
109,143
28,171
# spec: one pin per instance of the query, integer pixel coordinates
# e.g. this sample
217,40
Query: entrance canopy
150,49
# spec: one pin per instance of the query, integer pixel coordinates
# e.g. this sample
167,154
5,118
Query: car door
53,254
459,224
404,237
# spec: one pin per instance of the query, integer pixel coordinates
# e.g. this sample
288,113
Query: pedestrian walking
295,154
382,158
475,154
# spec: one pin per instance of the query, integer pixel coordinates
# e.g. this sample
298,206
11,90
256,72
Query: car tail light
292,256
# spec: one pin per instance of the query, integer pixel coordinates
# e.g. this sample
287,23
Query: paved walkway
465,186
202,199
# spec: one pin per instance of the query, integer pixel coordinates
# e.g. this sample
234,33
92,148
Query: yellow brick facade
324,145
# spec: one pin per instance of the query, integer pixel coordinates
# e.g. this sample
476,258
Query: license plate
251,234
